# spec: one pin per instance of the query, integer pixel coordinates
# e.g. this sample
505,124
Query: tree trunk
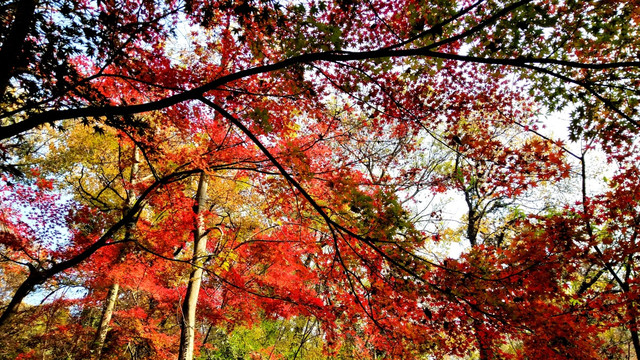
636,342
188,321
105,319
112,295
633,328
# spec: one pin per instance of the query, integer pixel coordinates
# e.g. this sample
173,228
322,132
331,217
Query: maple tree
326,132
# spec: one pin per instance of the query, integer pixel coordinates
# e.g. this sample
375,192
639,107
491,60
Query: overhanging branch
52,116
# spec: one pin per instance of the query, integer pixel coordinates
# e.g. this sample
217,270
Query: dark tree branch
11,51
50,116
333,226
436,29
37,277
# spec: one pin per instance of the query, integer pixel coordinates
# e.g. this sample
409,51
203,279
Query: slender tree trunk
105,319
636,342
188,323
633,329
112,295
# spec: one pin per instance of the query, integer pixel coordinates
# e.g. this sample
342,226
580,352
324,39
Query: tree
324,109
188,322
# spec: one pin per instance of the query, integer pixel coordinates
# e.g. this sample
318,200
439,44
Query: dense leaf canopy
319,179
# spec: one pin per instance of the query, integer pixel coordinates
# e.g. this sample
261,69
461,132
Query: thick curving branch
51,116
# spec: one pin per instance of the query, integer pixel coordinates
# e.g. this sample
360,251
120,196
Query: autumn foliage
321,179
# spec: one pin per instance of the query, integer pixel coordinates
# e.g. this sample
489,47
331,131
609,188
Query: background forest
265,179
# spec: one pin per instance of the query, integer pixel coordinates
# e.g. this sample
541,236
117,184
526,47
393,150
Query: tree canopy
319,179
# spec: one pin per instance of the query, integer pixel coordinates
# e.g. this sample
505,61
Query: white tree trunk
188,321
105,319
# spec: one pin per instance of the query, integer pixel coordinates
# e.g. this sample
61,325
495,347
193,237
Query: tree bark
188,321
112,295
105,319
633,328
